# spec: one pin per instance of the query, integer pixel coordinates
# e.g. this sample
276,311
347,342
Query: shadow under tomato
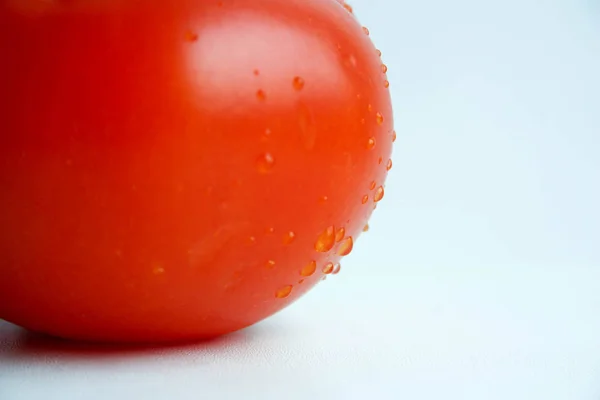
20,345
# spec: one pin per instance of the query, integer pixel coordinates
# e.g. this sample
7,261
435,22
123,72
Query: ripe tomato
180,170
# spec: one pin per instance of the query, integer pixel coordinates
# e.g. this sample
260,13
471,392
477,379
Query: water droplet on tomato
336,269
350,61
270,264
393,136
323,199
270,230
326,240
158,270
379,118
378,53
365,198
366,228
328,268
309,269
261,95
191,36
386,84
369,108
389,164
384,68
346,246
371,143
298,83
306,123
340,234
365,30
380,160
265,163
289,237
348,8
378,194
372,185
284,292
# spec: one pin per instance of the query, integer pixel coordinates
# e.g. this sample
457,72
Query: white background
480,277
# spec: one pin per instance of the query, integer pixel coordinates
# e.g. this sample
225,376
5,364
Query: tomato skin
167,170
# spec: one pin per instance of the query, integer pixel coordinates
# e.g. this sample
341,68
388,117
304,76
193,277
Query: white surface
480,277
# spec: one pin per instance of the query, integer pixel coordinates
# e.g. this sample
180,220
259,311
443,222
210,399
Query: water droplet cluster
331,240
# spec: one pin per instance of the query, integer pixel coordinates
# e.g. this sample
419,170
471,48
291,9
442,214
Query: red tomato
180,170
